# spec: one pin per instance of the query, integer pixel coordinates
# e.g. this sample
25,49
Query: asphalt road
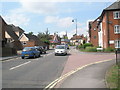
32,73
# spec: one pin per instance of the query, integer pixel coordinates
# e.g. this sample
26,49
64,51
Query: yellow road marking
52,84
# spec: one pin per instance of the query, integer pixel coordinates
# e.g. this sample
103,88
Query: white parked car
60,50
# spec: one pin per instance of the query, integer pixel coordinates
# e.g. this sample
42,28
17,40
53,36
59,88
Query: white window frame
117,29
117,43
115,15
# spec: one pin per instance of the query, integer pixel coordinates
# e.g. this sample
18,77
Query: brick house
3,26
108,27
93,32
17,30
12,39
28,40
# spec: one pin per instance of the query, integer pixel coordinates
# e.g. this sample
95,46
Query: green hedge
91,49
109,49
84,46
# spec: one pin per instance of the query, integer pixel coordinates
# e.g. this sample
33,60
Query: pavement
92,76
9,57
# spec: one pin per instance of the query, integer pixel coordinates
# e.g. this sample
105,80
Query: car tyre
22,57
39,55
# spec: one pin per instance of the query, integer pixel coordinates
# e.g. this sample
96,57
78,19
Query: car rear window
28,49
60,47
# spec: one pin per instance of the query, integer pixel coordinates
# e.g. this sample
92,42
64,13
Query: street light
75,20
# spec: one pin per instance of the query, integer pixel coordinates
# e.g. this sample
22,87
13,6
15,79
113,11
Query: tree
30,33
44,37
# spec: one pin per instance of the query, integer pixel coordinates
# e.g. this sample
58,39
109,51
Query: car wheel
34,56
22,57
55,54
45,52
39,55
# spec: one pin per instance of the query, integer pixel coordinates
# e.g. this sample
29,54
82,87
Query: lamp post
75,20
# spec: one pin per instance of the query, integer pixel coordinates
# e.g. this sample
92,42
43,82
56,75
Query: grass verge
112,78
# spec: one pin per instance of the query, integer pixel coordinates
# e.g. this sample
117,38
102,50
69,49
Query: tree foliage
44,37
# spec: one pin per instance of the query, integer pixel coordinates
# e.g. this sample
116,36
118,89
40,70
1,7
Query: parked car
41,49
60,50
30,52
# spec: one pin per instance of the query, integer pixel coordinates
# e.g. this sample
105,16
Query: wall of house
112,22
104,30
94,34
29,44
108,30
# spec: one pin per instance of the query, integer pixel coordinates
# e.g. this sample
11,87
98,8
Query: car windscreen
60,47
27,49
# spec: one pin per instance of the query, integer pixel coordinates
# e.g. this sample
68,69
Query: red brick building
108,28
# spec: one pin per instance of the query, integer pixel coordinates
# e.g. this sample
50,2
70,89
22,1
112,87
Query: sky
36,16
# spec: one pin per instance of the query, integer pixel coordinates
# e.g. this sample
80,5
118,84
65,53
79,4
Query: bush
87,45
91,49
109,49
80,46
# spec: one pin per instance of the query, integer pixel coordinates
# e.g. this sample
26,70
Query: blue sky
56,16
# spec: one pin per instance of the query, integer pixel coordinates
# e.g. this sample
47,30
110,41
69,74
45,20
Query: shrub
87,45
91,49
80,46
109,49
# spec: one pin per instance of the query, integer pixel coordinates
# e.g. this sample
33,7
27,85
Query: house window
24,43
117,29
94,37
117,15
117,43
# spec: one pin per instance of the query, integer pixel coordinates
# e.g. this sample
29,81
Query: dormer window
116,15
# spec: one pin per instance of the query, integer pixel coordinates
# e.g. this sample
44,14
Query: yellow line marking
52,84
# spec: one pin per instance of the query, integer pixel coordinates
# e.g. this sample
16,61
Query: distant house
77,39
65,41
55,39
107,28
28,40
12,38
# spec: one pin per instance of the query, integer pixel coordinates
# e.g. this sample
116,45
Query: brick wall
94,33
108,29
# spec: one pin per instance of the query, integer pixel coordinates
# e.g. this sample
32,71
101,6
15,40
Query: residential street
33,73
40,72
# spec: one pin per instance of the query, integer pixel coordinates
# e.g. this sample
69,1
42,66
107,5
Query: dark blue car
30,52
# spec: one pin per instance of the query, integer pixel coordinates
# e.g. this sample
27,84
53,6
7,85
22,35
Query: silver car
60,50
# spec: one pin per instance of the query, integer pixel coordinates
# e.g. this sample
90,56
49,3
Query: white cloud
39,7
16,19
61,22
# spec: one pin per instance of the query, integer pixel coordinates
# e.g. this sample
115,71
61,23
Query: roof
77,37
16,28
114,6
31,37
12,34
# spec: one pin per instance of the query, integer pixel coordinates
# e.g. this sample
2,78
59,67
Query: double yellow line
52,84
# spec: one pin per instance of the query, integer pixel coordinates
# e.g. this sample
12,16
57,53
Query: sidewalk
79,59
6,58
92,76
